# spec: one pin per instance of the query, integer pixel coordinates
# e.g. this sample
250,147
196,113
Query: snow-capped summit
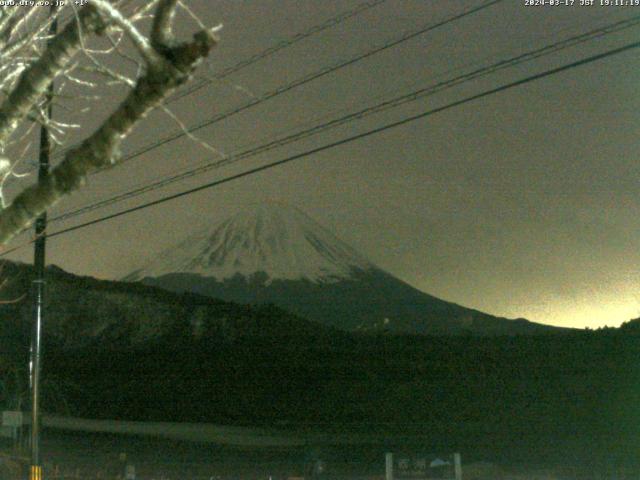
273,239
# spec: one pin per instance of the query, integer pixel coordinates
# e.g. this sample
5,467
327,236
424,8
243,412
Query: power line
384,47
331,22
296,83
304,80
279,46
359,136
385,105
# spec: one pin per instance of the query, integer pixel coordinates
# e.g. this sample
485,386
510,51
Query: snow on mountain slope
278,240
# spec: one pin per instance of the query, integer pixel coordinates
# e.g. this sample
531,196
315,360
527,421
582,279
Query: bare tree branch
100,150
161,31
140,41
36,78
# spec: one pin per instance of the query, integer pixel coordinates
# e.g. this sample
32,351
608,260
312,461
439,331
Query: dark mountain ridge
371,301
84,311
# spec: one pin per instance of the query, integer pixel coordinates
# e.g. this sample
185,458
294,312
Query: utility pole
35,472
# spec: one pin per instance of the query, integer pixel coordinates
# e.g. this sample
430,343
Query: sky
518,204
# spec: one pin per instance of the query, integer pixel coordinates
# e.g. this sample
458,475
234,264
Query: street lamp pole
35,473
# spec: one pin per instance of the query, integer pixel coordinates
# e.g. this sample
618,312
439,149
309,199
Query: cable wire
331,22
380,107
353,138
300,82
277,47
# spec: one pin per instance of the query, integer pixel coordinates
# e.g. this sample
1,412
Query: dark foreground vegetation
138,353
568,398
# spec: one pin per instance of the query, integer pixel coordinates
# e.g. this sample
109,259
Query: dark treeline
571,397
125,351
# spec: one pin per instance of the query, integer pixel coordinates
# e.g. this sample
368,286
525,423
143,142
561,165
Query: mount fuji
277,254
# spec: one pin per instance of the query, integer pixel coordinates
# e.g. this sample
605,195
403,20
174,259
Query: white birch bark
168,64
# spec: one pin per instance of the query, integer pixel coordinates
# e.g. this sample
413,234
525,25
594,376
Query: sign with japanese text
420,466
